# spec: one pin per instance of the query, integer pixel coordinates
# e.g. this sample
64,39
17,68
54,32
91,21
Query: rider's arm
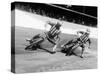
50,23
80,32
89,41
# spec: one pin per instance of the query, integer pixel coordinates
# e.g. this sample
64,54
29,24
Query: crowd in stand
52,14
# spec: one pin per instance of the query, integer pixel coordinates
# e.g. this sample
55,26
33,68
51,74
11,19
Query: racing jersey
54,30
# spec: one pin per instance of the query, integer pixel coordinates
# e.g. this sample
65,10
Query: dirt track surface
41,61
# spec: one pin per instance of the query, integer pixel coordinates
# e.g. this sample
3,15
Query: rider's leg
55,45
54,48
83,48
27,39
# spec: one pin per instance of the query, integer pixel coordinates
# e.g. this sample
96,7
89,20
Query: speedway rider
82,36
53,34
80,33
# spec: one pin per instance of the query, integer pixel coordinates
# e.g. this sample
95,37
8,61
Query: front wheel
31,47
28,47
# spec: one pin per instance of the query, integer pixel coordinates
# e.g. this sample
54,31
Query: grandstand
82,15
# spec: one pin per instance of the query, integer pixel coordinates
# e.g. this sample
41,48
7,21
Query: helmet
59,24
88,30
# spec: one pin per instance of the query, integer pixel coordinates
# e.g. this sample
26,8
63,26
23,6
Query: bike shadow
46,50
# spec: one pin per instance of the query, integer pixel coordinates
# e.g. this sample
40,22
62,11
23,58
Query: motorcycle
34,43
71,45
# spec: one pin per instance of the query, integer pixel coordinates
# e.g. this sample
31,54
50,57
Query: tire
28,47
34,48
31,47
